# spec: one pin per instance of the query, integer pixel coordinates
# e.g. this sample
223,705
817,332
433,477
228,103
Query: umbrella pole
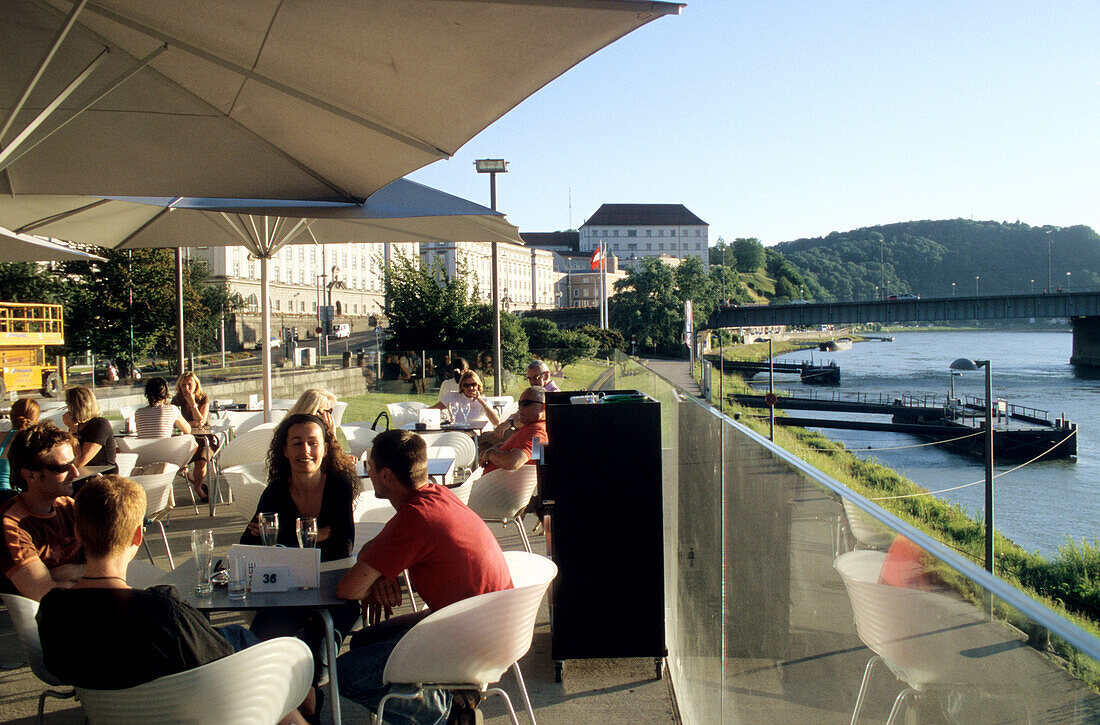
179,308
265,337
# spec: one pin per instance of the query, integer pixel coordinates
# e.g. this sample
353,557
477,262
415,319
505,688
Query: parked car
273,342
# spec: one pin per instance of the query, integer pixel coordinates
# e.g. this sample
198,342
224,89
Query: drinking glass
238,575
269,527
202,546
307,532
453,408
464,408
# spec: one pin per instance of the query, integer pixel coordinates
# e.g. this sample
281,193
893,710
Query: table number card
271,578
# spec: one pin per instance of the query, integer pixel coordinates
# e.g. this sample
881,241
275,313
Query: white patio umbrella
403,211
259,99
25,248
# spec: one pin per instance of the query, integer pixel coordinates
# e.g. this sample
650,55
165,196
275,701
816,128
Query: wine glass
307,532
269,527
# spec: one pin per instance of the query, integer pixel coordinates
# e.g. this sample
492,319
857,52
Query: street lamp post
976,285
1032,286
952,289
1067,281
492,167
964,364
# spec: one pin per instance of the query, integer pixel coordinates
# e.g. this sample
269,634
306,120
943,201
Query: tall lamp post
965,364
976,285
492,167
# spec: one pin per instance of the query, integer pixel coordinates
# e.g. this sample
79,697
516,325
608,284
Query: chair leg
58,694
167,549
395,696
523,691
148,551
409,586
194,501
896,709
523,533
863,686
507,703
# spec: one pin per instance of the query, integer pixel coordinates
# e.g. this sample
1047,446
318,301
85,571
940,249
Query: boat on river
838,345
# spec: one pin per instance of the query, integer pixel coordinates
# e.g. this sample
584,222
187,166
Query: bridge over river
1082,308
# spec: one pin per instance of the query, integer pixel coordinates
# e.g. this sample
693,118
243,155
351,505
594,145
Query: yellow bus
25,331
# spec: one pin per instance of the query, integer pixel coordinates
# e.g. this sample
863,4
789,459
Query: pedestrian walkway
677,372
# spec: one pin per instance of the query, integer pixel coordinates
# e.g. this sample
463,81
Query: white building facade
527,277
634,231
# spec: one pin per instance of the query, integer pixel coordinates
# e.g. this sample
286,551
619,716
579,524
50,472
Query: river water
1037,506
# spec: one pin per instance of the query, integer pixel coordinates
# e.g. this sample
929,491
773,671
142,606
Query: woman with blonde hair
24,412
194,404
95,436
315,401
470,398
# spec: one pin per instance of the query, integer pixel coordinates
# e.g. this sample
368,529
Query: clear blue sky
780,119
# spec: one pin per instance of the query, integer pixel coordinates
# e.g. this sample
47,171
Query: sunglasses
469,385
58,467
532,378
525,403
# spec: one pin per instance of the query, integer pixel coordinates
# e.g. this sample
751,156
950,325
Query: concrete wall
1086,342
342,383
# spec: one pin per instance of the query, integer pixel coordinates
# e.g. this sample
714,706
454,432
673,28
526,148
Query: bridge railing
785,590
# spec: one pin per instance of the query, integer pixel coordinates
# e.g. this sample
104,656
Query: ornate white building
633,231
527,277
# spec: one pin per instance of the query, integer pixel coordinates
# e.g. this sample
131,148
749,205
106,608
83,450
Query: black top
99,430
336,505
111,639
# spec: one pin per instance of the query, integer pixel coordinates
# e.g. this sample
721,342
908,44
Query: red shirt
523,438
29,536
449,551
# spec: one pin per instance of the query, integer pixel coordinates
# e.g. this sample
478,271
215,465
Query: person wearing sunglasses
40,549
539,374
528,423
470,396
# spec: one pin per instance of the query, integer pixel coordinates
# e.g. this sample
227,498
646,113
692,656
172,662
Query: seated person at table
447,549
528,423
315,401
157,419
94,434
24,413
40,548
139,635
449,384
469,399
195,406
538,374
308,475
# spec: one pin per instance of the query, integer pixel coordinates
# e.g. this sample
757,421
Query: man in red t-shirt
40,550
530,423
447,549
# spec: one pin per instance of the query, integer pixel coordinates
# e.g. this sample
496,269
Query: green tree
608,341
31,282
542,334
722,253
749,253
645,306
429,310
477,334
693,283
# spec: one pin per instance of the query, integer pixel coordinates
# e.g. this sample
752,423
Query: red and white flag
597,257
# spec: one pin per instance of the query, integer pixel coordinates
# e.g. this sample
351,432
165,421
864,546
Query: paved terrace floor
604,691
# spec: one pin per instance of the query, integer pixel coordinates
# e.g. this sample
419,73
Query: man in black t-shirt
103,635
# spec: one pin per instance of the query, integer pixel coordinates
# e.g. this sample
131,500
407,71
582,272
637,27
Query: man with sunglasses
539,374
40,549
528,423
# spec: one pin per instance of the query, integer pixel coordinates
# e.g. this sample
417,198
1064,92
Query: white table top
183,579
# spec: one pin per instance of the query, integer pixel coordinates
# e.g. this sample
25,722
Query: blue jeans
238,637
360,675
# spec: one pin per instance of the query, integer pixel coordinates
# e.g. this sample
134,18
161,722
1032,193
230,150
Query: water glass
269,527
307,532
238,575
202,546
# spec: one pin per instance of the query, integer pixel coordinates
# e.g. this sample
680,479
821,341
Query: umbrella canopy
403,211
25,248
259,99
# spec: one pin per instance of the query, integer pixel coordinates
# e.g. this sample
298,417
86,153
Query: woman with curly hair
24,413
309,476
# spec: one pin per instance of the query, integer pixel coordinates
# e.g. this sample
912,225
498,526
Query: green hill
925,257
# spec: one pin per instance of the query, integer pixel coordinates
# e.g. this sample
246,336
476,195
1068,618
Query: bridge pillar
1086,342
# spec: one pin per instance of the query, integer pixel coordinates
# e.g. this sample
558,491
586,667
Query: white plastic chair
503,496
54,416
177,450
359,436
243,421
918,634
22,612
125,463
256,686
158,502
464,446
470,644
404,413
246,497
463,490
868,533
505,404
250,447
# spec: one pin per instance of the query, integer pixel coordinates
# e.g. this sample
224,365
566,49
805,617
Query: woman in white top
157,419
470,404
450,385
